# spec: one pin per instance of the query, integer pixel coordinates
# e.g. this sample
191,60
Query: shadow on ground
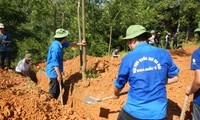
69,86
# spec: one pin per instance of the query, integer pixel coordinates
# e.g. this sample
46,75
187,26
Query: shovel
184,107
61,96
93,100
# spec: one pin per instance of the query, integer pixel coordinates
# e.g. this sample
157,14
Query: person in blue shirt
5,44
148,70
194,88
54,63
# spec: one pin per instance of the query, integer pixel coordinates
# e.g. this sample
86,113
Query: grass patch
92,74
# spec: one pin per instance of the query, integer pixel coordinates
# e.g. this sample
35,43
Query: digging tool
61,97
184,107
93,100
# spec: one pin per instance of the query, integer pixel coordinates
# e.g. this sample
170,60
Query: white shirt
151,39
167,38
22,66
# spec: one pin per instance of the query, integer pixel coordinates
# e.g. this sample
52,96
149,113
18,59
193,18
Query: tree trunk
109,48
55,16
187,34
110,39
178,27
79,31
84,48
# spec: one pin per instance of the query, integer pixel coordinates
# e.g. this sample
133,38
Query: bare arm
116,92
195,85
58,73
172,80
83,42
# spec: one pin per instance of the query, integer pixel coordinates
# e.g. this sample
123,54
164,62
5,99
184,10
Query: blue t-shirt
146,68
5,46
195,65
55,58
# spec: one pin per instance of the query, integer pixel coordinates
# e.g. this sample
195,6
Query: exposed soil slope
22,98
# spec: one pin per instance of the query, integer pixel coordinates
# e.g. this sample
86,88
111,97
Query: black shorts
54,89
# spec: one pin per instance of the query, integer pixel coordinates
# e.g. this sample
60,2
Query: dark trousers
123,115
158,44
167,45
54,90
4,56
175,44
196,112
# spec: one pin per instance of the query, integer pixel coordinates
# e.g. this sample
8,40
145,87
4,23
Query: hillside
23,98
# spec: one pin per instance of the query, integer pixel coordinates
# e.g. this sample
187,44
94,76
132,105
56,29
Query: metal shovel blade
91,100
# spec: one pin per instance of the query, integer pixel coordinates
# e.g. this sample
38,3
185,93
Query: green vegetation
92,74
32,23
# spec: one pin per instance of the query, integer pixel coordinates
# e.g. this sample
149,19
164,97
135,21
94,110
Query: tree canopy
32,23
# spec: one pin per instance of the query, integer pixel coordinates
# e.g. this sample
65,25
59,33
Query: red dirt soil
21,98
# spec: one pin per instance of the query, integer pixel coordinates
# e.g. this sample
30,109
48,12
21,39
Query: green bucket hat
28,56
134,31
61,33
152,31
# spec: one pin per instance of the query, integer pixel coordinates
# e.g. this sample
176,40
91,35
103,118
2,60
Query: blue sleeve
55,57
195,61
123,74
9,38
65,44
173,70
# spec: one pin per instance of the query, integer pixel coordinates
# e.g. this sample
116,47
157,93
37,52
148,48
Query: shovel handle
106,98
184,107
123,93
110,97
61,97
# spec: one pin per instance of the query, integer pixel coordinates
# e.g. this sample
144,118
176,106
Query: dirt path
22,98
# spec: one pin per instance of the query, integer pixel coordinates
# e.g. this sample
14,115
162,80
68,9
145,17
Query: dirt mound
187,51
22,98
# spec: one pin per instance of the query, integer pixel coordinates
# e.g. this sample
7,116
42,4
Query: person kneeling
24,65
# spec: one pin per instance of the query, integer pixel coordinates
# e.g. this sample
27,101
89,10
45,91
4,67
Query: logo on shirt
156,66
193,61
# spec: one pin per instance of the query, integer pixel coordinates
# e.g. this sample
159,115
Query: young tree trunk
55,16
84,49
178,27
109,48
79,31
110,41
187,34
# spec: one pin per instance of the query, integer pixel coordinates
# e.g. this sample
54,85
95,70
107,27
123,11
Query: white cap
1,25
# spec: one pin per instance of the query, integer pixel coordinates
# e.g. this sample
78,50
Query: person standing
5,44
167,38
24,65
157,39
152,38
147,69
175,40
194,88
54,63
